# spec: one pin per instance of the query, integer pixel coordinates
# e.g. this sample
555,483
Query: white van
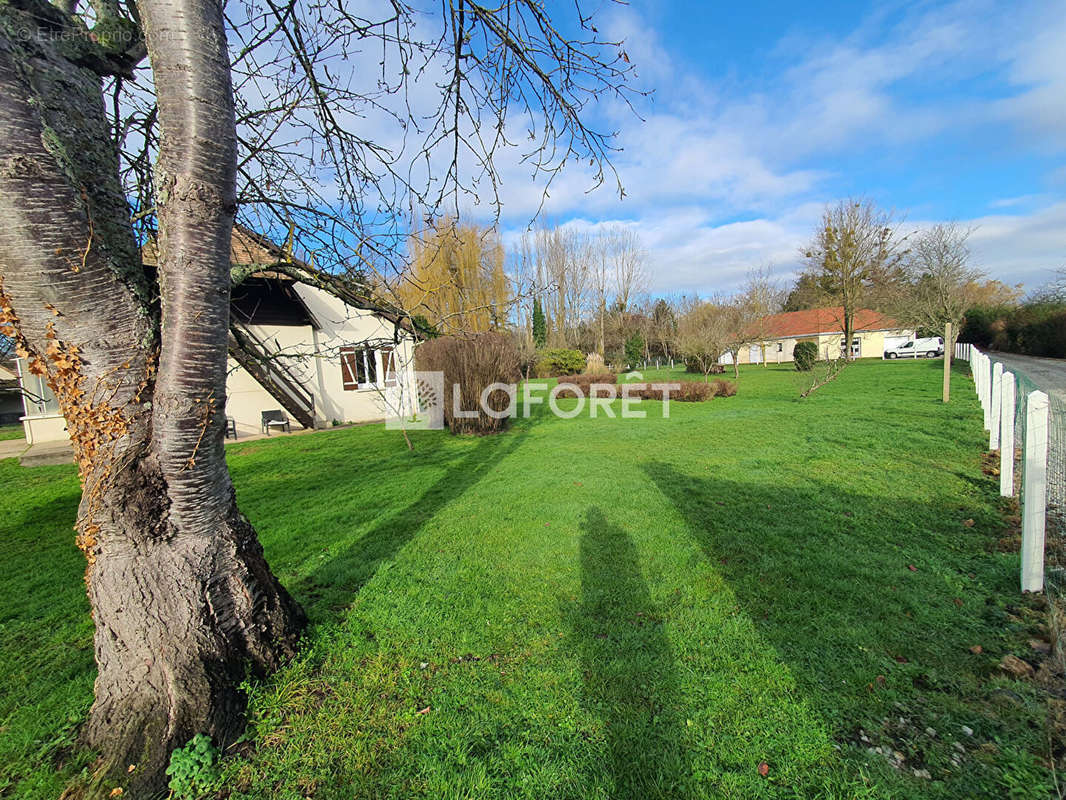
917,348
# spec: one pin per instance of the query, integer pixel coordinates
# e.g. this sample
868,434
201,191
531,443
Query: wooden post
1034,492
949,352
995,401
1006,437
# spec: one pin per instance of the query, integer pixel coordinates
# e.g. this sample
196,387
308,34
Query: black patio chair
231,428
275,419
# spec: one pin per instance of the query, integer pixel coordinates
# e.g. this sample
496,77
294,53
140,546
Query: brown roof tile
814,321
246,248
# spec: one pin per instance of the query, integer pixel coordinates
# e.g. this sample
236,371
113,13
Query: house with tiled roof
873,333
297,352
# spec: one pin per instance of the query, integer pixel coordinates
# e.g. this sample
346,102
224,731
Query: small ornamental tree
634,349
805,354
540,324
703,333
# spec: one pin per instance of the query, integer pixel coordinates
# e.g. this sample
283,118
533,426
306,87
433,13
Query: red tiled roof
823,320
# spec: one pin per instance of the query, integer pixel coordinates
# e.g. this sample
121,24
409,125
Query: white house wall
342,325
246,399
872,344
314,359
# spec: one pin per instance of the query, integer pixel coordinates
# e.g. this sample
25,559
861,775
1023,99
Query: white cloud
687,252
1038,70
705,158
1023,249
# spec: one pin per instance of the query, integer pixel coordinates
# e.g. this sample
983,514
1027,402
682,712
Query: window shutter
388,366
349,368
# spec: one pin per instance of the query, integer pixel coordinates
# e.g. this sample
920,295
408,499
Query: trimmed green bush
540,324
805,354
559,362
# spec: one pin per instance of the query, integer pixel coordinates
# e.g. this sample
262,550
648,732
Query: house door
755,354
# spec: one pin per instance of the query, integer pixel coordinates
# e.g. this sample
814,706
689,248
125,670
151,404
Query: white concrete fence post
986,390
995,403
1034,492
1006,437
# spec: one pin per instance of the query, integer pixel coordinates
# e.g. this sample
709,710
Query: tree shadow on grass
331,587
835,566
628,668
873,603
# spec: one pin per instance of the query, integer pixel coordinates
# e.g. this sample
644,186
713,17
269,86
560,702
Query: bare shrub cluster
584,383
471,365
683,391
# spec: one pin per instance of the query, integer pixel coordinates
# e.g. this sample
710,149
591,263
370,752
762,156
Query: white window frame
37,397
856,346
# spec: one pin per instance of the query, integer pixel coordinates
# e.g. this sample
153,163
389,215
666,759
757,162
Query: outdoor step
47,454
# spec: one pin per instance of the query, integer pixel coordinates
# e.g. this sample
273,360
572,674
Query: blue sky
764,111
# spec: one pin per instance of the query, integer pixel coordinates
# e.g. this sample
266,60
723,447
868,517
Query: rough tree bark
184,603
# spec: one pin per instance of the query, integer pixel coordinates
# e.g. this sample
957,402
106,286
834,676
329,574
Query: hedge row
683,391
1037,329
585,382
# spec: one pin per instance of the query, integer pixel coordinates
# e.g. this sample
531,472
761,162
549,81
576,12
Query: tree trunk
184,603
849,331
603,336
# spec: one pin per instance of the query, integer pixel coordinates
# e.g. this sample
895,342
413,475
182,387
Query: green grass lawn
11,432
599,608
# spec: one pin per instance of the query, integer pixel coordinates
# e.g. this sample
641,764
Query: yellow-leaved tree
457,280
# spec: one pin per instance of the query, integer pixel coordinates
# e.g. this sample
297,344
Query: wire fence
1056,462
1055,496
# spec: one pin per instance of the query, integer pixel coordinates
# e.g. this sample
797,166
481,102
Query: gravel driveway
1047,373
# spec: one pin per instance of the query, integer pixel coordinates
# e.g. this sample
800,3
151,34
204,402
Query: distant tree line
1035,326
587,291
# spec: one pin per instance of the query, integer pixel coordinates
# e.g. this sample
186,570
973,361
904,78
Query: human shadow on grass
870,601
331,587
628,668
